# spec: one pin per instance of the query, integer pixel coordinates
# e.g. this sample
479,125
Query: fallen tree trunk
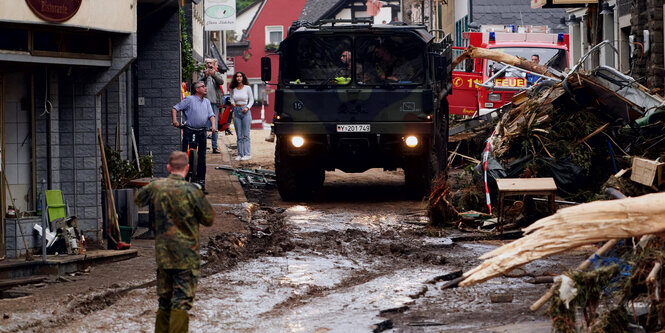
498,56
573,227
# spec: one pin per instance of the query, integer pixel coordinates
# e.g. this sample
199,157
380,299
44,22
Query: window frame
273,28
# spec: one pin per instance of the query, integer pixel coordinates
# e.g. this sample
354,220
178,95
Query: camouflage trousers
176,288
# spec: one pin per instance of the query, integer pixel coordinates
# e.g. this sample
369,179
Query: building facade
68,71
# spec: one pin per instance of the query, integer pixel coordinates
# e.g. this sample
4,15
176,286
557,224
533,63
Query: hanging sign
220,15
54,10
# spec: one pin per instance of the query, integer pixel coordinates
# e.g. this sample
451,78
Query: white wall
115,15
461,9
243,20
17,140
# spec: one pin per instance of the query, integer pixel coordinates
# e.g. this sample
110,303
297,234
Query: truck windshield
548,57
318,60
389,60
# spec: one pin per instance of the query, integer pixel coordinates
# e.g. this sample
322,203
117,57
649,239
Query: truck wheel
296,179
419,174
541,87
286,173
316,178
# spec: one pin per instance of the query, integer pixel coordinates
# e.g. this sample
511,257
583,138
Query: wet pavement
358,257
348,270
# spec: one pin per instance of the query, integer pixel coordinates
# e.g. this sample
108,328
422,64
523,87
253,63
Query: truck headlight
494,97
297,141
411,141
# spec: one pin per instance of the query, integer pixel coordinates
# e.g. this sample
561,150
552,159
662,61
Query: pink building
268,28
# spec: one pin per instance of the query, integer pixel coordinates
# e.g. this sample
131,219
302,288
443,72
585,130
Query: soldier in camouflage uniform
179,208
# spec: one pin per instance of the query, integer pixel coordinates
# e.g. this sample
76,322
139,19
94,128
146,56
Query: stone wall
648,67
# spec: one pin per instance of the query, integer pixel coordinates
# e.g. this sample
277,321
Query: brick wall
158,78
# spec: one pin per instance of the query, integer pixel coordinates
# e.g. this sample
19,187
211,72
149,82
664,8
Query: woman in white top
242,100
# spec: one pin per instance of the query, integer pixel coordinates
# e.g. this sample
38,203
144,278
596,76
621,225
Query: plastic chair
55,205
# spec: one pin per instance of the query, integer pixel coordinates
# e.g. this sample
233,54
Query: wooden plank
646,172
8,283
525,184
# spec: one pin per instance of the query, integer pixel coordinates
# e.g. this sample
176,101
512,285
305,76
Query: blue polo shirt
196,111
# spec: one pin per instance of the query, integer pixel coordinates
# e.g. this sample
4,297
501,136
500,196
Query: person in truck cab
391,68
535,59
532,79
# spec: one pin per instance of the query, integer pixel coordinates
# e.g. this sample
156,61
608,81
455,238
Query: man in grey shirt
196,112
213,79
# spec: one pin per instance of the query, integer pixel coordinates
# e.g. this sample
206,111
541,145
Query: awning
221,64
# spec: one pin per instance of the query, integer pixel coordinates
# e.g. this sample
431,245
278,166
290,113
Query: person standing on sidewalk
242,100
179,207
196,113
213,79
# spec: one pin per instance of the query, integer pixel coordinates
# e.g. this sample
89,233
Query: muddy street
340,263
358,256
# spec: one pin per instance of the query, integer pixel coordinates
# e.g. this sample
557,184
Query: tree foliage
188,65
242,4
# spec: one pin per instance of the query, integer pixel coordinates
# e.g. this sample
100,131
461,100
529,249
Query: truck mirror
441,68
266,69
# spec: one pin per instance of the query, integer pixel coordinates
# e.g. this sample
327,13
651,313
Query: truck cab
352,96
468,98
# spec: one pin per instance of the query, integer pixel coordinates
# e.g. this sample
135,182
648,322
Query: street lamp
607,9
572,20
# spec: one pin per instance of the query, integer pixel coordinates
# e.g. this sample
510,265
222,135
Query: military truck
353,96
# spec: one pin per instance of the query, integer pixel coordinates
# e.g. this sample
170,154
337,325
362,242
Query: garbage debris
255,178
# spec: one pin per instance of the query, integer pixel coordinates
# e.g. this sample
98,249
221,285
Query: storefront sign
54,10
220,15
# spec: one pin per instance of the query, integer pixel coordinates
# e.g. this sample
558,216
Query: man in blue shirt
196,111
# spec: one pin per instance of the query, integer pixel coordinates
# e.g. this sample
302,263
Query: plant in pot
121,173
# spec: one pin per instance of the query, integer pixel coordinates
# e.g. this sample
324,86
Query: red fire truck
473,92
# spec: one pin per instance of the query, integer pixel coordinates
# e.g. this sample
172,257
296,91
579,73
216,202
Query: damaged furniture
524,186
68,237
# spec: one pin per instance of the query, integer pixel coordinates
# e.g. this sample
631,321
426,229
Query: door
3,234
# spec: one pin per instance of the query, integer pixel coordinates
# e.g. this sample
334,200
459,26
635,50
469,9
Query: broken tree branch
584,265
600,129
572,227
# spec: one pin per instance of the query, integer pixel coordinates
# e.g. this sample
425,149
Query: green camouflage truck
353,96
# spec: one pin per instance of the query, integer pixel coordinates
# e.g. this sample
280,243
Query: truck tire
286,174
542,87
419,174
296,179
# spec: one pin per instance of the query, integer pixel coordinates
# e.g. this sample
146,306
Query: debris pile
586,132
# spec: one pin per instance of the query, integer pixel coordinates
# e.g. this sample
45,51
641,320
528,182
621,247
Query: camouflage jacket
178,208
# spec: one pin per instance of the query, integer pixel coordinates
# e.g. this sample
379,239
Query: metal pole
44,222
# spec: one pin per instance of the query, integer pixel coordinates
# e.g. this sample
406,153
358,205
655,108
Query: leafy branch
188,63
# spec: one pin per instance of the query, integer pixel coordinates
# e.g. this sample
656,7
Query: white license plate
353,128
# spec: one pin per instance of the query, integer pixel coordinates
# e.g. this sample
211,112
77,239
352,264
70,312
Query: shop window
14,39
84,45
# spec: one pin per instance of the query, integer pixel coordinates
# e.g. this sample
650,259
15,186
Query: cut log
498,56
573,227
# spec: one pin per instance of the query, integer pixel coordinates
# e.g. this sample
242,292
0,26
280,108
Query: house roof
314,10
256,16
518,12
252,5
